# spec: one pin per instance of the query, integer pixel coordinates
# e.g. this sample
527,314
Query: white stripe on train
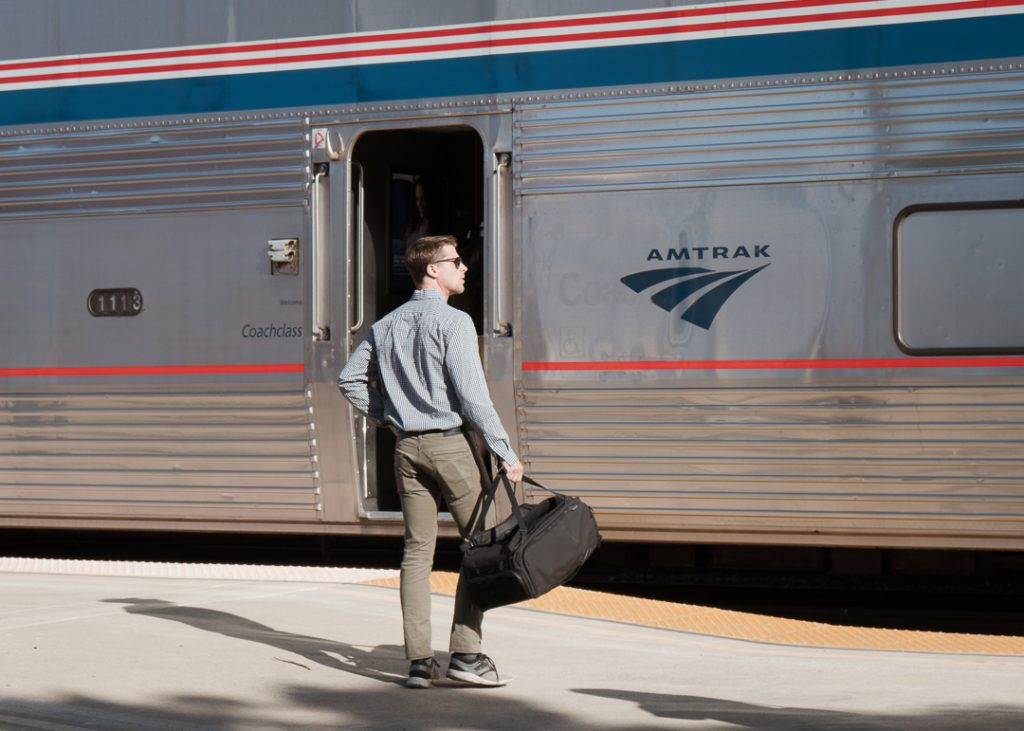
444,42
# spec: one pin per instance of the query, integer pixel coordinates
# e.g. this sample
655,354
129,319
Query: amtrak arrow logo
702,311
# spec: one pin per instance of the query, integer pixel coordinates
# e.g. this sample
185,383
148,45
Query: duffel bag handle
488,498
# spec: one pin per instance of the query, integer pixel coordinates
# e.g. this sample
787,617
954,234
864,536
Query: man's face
449,271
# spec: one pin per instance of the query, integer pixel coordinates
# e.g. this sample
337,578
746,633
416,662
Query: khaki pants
428,467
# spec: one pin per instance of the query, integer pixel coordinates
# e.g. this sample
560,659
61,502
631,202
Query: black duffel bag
534,550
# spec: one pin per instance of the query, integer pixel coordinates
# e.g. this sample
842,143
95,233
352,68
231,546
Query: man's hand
514,473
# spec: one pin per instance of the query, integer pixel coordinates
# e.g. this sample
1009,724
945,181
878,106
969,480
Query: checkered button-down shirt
419,370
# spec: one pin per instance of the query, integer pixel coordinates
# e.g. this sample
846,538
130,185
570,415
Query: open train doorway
415,182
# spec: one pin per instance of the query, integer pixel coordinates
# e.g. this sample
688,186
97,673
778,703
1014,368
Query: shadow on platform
393,708
385,663
756,717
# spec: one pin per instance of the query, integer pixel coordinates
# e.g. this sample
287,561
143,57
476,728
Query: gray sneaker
423,673
476,669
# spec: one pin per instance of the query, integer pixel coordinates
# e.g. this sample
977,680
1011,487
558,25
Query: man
418,372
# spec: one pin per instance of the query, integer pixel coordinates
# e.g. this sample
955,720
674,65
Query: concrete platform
146,652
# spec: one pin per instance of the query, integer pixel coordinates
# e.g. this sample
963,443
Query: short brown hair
423,252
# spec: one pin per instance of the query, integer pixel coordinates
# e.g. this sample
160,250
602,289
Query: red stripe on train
405,35
508,42
161,370
771,365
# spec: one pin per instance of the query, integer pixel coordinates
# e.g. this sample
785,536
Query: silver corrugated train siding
153,167
229,457
872,459
766,134
208,454
842,465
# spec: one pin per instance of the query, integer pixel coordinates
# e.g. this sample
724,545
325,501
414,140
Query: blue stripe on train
785,53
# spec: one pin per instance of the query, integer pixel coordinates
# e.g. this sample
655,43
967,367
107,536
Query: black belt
443,432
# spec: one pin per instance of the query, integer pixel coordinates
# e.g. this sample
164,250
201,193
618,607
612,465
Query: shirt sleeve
466,375
360,381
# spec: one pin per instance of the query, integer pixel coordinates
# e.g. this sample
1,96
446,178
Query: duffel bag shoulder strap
531,481
488,498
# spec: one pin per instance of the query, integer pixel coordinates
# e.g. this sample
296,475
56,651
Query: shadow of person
385,663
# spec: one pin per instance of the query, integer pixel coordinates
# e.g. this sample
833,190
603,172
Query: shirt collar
426,294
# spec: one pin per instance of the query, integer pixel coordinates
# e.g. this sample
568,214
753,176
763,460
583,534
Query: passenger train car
746,272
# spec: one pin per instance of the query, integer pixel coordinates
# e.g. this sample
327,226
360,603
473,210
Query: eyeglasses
456,260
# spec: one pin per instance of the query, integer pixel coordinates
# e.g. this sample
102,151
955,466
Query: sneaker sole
418,683
473,679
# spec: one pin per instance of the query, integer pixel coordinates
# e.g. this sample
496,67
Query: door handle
358,279
502,163
321,309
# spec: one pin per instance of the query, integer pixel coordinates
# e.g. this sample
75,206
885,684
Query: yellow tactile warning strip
744,625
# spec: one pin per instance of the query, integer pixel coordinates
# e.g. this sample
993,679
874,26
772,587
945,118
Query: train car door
388,183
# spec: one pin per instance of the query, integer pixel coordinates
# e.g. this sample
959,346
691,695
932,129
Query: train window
422,182
959,275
